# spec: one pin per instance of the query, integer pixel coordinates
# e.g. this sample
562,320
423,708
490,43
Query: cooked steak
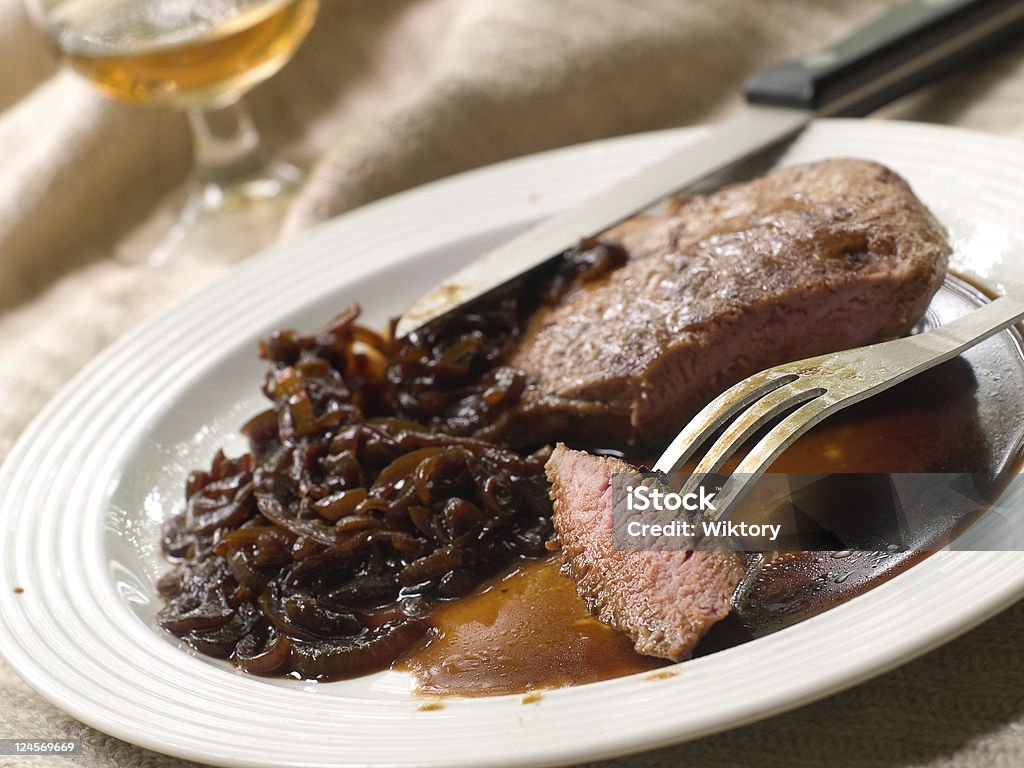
811,259
665,601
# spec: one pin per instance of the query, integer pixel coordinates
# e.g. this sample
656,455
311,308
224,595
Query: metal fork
817,387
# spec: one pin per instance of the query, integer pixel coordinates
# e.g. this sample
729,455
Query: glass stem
228,151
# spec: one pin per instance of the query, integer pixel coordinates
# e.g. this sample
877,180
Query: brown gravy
527,629
524,630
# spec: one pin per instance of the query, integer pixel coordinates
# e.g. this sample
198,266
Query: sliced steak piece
811,259
665,601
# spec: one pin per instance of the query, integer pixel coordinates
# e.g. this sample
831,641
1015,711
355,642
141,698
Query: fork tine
754,464
716,413
751,420
746,424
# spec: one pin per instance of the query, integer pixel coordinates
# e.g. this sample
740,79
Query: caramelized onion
262,653
372,650
363,499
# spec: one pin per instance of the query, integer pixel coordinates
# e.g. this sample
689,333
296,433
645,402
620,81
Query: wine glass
201,56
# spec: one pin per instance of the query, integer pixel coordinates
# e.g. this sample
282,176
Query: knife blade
904,48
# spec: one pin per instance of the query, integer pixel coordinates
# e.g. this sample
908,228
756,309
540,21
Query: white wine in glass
201,56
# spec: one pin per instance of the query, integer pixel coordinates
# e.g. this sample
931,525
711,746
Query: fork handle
949,340
914,42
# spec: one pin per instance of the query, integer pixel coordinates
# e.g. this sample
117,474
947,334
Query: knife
901,50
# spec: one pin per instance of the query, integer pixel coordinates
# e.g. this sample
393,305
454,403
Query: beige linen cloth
388,94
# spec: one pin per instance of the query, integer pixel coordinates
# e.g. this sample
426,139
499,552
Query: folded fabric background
388,94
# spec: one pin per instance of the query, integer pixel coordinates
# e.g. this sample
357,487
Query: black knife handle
892,55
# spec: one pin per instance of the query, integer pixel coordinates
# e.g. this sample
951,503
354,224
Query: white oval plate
84,491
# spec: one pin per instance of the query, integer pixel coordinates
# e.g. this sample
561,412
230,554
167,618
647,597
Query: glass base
271,182
233,221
